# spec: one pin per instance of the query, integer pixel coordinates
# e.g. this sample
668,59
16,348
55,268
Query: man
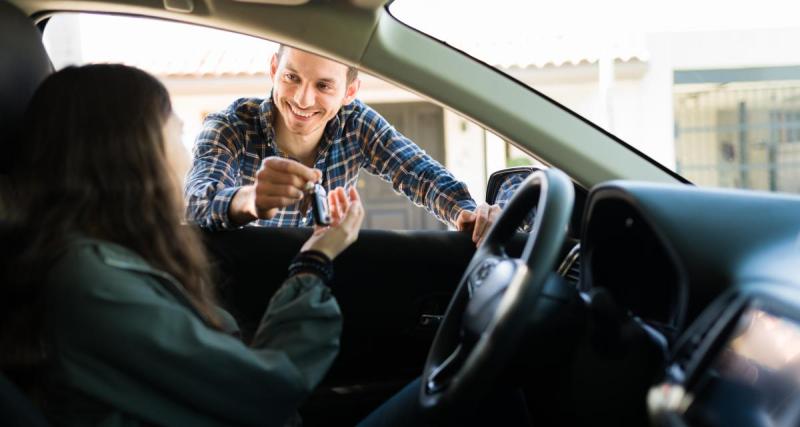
253,160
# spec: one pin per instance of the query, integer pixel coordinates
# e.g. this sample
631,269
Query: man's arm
411,171
211,184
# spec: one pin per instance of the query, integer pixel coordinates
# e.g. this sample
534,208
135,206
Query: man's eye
324,86
291,77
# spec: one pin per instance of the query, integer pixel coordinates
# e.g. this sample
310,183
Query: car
636,298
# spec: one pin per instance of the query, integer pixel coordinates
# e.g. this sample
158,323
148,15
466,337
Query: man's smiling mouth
300,113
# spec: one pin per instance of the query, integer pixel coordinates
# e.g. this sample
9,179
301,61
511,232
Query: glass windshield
709,89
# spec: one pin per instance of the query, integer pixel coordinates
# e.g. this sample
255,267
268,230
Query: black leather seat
23,65
15,409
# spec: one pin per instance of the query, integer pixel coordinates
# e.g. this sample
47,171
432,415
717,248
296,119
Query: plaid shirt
232,144
506,191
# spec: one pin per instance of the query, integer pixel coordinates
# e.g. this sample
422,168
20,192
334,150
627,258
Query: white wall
728,49
464,153
636,106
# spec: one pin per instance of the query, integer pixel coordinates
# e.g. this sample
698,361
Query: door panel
385,284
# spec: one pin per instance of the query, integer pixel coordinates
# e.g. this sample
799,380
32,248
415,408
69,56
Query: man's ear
351,91
273,67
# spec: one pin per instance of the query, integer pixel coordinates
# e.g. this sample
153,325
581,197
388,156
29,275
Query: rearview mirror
502,181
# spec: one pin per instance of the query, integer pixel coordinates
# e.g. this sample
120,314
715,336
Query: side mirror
501,180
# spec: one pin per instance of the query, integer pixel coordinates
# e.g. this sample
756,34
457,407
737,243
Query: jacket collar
118,256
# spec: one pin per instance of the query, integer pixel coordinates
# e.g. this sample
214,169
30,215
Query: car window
206,69
708,89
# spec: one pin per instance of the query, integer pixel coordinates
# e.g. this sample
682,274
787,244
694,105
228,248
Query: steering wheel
497,295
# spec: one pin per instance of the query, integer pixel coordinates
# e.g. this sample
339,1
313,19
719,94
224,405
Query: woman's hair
94,163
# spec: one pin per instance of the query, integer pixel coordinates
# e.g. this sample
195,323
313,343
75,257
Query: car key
317,199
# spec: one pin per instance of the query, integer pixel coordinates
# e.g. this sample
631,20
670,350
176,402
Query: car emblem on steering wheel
480,274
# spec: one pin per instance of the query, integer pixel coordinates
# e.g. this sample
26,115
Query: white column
605,83
464,153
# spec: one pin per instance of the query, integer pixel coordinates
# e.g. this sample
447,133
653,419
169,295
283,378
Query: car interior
635,299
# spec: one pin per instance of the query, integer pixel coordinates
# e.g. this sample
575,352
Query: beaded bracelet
314,262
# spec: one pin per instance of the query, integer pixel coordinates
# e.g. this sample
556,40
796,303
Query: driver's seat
23,65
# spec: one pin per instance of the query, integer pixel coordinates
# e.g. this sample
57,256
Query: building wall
635,104
734,49
465,153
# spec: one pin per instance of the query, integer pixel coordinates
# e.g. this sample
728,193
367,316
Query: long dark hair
94,163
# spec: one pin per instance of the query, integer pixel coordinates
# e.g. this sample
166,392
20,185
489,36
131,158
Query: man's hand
279,183
478,222
346,217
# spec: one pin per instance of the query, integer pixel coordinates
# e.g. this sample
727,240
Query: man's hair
352,72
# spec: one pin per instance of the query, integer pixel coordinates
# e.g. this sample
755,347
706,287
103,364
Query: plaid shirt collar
269,113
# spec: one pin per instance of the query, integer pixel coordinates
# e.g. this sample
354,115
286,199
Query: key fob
319,205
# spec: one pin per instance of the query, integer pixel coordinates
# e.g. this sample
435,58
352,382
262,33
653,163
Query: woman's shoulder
84,253
89,265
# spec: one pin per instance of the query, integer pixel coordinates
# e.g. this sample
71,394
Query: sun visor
276,2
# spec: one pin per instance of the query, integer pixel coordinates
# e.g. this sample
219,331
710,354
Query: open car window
707,89
206,69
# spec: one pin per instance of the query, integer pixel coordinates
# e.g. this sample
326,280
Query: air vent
570,268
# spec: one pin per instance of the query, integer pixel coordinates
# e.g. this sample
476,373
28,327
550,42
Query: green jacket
128,349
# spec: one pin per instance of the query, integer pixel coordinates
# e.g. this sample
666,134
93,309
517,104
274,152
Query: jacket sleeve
411,171
125,344
211,182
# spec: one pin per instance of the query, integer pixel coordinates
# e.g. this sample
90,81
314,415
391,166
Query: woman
112,304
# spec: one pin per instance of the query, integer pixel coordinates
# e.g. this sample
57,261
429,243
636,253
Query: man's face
308,90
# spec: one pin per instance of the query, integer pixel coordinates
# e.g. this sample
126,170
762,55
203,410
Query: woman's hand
347,213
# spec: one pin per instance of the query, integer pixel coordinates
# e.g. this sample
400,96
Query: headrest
23,65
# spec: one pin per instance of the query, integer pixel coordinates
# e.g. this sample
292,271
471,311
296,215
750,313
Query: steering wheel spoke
440,376
487,315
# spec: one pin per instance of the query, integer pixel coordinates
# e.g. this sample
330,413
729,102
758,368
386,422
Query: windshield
708,89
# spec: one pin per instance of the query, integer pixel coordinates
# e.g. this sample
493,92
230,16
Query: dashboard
625,256
716,274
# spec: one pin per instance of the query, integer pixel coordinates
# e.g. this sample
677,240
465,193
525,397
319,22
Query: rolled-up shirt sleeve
211,182
411,171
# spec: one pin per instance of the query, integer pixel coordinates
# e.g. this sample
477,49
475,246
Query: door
421,122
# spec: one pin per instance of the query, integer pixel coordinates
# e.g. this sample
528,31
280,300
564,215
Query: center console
737,365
